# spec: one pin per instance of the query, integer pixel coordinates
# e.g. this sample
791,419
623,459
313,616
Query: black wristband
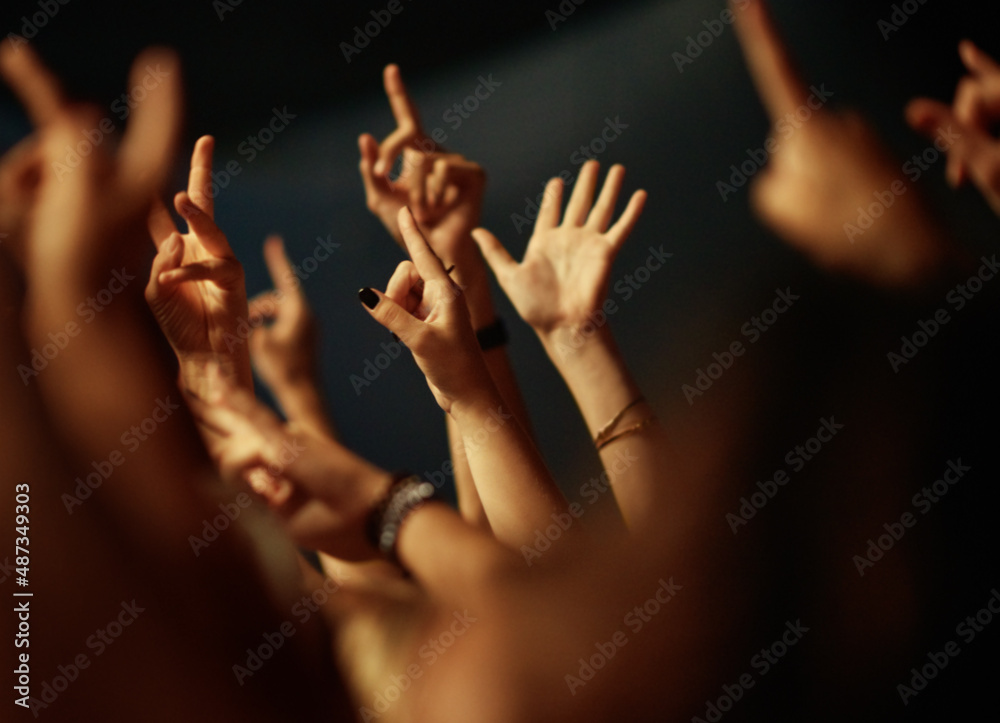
407,493
492,336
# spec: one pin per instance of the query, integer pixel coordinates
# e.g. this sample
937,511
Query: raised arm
284,344
445,193
108,383
560,289
196,289
426,309
831,188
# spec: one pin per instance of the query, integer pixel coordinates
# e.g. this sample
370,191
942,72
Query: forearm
302,402
133,391
450,558
197,372
470,506
471,275
517,491
639,464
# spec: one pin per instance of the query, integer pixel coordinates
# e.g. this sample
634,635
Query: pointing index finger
427,262
278,265
403,109
200,176
778,83
407,121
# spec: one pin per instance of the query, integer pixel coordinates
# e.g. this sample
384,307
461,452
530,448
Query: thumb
499,260
389,314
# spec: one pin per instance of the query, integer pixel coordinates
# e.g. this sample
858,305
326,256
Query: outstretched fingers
582,197
549,211
603,211
626,222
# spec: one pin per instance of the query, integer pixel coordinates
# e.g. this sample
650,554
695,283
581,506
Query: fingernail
368,297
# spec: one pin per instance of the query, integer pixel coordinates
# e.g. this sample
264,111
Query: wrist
572,344
476,404
471,275
197,371
404,494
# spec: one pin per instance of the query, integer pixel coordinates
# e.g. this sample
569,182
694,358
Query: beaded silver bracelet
407,493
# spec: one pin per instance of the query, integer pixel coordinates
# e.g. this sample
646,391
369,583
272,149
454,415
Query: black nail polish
368,297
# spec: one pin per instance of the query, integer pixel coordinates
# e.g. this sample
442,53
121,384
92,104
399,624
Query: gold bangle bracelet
604,431
637,427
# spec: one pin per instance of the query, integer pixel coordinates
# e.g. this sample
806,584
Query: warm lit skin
425,308
444,191
196,289
284,343
558,289
973,113
826,170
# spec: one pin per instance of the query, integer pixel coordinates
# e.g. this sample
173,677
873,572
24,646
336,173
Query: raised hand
426,310
284,343
443,190
196,288
828,171
139,167
563,280
975,153
559,288
321,491
134,531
